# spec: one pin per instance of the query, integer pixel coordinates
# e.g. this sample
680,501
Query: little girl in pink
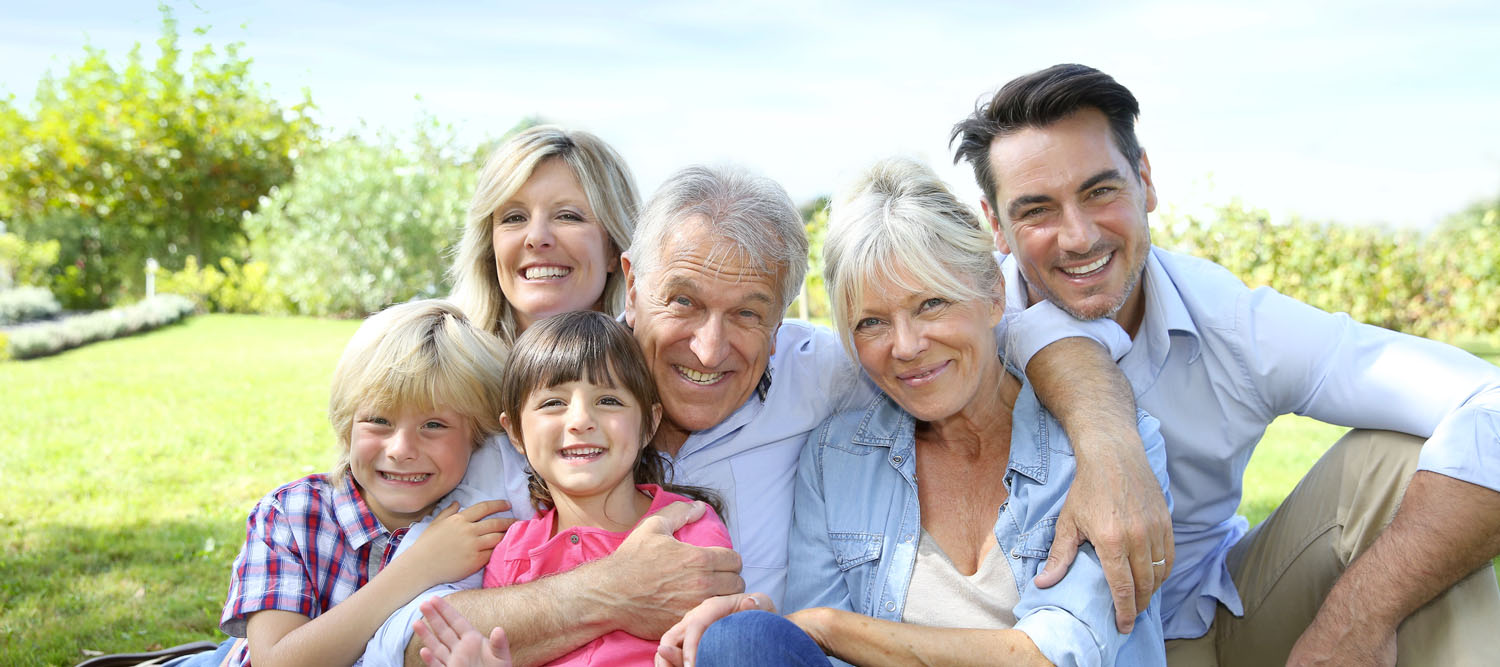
581,405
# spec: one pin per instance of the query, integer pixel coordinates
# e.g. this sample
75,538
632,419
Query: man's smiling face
1073,212
707,322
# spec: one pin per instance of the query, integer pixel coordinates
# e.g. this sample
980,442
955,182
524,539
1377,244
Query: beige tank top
939,596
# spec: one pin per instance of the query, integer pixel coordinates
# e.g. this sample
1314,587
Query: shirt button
906,539
573,538
896,460
890,606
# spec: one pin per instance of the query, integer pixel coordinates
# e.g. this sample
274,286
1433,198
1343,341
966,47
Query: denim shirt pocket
1032,546
857,555
850,550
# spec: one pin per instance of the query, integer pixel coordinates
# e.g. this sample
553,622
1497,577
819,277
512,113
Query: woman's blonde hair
420,355
898,224
605,180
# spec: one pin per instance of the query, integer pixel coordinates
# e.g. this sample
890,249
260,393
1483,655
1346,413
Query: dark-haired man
1067,189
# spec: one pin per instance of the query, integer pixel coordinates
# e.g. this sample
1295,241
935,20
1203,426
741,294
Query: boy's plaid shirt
308,545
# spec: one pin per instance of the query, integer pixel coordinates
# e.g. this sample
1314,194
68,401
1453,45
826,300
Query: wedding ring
1158,563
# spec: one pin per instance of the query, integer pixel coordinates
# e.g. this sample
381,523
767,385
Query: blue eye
934,302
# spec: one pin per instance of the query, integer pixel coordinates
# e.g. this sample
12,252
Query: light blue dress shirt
857,522
1216,362
749,459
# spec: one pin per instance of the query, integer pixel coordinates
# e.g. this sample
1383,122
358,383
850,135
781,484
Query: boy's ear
510,433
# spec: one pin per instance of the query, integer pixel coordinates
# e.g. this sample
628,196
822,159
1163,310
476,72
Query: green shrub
24,304
230,288
363,225
51,338
1439,284
23,263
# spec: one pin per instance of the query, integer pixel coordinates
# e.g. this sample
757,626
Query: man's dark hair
1038,100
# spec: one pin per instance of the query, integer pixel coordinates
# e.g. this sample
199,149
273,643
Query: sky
1364,112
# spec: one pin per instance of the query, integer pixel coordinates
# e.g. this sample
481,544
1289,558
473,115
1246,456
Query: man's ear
995,229
629,271
511,433
1146,183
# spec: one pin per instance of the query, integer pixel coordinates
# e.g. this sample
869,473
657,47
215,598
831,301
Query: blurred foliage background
250,207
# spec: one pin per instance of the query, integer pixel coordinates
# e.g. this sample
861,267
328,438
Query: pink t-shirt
530,551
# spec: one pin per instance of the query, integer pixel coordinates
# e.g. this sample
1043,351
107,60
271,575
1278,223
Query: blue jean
751,638
205,659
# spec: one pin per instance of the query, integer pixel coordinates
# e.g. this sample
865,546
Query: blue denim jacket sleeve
813,577
1073,622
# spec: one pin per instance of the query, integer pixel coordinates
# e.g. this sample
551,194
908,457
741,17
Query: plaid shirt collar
358,523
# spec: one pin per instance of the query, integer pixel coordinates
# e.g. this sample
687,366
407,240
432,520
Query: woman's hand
449,640
457,543
679,646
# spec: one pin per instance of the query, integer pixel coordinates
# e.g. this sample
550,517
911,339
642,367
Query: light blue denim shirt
858,520
1217,362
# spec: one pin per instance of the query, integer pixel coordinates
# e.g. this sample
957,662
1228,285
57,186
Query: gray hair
753,214
898,224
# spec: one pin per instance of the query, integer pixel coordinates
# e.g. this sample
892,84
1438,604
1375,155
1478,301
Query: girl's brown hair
593,347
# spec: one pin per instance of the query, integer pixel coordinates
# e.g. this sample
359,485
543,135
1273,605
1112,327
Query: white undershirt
939,596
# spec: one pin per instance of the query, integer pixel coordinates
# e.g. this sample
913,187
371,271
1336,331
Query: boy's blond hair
422,354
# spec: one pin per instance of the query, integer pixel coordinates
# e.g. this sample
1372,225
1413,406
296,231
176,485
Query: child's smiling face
406,460
583,439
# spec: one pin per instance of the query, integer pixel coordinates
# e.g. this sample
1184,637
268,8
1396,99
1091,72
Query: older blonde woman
551,213
922,518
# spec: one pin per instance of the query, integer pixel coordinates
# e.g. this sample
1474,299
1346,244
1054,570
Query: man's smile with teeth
1087,268
698,377
412,478
539,272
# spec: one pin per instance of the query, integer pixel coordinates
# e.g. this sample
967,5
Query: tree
365,224
145,160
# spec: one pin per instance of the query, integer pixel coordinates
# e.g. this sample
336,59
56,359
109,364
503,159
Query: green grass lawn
130,466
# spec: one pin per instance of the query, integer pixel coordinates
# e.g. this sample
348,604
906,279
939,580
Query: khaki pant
1286,566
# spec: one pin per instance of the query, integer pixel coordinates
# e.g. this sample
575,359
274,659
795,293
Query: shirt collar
355,518
1166,314
885,424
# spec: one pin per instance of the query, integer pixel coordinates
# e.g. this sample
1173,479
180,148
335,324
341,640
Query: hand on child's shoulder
458,542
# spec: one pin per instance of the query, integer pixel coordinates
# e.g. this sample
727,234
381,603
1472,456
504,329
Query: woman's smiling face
551,254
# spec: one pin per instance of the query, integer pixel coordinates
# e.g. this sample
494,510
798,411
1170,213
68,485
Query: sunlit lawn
129,467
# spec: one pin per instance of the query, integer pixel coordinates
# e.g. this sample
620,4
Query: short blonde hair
423,354
899,224
605,180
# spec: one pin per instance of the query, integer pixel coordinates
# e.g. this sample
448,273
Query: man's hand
1354,644
457,543
1116,503
451,641
659,579
679,645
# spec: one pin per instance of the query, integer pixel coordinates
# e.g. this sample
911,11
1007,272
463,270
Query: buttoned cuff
1044,324
1063,639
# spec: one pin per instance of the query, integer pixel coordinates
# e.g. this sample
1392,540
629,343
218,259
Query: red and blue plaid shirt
308,545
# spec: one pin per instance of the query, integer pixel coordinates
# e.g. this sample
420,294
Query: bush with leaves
161,160
1438,284
53,337
231,287
365,224
24,304
23,263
